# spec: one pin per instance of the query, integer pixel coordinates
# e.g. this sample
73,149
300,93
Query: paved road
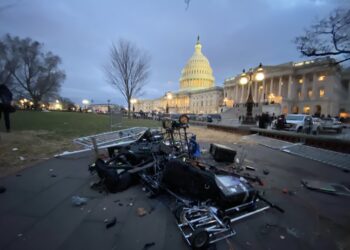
337,159
36,210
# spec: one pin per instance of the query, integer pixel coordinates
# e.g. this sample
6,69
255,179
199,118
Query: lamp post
133,101
85,102
168,97
108,106
247,78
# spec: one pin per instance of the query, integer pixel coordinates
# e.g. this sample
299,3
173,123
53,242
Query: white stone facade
312,87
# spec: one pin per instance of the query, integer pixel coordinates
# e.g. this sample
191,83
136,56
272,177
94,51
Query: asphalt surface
336,159
36,211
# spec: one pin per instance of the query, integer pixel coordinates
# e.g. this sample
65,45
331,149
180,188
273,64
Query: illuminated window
299,93
307,110
309,93
321,78
322,92
300,81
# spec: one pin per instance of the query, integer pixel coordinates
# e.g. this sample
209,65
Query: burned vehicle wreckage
208,199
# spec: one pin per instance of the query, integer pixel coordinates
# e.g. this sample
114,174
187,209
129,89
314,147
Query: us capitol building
312,87
198,93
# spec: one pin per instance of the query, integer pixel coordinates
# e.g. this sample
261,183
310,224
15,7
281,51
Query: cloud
234,35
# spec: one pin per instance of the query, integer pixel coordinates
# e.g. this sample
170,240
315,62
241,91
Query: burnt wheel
199,239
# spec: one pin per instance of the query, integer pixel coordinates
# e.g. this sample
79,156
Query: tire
199,239
178,212
339,130
300,130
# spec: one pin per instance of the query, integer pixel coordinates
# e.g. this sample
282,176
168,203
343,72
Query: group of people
6,105
265,119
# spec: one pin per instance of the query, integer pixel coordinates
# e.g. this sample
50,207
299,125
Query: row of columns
261,90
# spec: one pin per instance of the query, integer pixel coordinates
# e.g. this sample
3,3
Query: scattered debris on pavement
141,211
250,168
293,232
22,158
78,201
148,245
266,171
287,191
111,223
326,187
14,149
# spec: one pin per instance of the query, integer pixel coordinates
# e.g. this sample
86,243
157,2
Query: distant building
197,94
102,108
316,87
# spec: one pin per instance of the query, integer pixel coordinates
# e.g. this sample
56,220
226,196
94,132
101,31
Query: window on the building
299,93
321,77
201,103
307,110
309,93
322,92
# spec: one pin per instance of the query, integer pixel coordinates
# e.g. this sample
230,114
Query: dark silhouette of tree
34,71
328,37
128,70
7,62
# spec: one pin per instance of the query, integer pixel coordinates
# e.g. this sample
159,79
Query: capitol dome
197,74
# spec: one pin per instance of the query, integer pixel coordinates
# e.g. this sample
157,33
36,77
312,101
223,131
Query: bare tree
34,71
128,69
329,37
7,62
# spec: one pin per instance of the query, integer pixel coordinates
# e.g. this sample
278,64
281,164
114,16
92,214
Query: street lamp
85,102
169,96
133,101
247,78
108,107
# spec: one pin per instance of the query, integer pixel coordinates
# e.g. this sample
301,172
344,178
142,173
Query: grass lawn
69,124
39,135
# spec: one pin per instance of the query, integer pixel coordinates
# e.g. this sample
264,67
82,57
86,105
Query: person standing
5,105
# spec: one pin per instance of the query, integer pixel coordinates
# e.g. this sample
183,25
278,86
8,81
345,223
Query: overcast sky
235,34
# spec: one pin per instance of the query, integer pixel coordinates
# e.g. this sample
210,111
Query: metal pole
110,114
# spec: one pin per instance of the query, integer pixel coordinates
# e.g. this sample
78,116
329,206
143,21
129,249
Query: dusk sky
234,34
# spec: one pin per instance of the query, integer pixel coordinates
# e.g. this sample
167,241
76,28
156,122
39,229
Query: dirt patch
22,149
209,135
